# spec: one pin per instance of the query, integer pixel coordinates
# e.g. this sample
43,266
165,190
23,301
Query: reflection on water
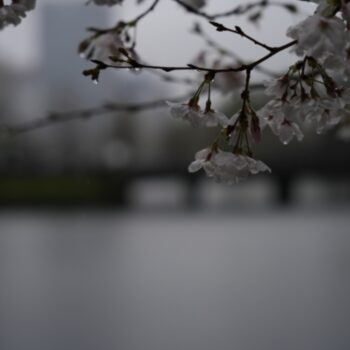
95,280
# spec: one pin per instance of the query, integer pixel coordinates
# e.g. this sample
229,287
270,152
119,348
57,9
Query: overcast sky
21,45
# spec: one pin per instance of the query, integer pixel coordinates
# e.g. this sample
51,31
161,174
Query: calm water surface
175,281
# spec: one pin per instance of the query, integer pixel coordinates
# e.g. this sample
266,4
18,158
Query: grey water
86,280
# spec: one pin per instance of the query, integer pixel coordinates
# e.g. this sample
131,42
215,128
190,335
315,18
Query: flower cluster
13,13
225,166
110,46
230,158
314,91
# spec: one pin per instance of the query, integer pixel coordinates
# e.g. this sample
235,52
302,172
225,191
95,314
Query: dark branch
87,113
62,117
190,67
238,30
237,10
228,53
144,14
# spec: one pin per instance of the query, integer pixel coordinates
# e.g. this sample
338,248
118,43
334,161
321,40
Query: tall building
65,88
63,27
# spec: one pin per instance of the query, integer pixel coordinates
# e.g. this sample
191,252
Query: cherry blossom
191,112
105,46
281,118
277,87
226,167
13,14
338,66
28,4
325,7
318,36
108,48
324,116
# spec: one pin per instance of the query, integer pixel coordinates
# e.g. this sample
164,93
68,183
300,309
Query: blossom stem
199,90
208,103
245,93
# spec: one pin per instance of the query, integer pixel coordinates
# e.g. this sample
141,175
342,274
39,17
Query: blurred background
107,242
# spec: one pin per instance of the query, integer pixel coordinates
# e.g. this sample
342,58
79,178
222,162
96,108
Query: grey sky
20,45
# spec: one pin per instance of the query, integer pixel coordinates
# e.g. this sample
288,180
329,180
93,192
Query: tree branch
237,10
238,30
144,14
228,53
87,113
62,117
133,22
190,67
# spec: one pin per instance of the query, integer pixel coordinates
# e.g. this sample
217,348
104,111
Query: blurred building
57,85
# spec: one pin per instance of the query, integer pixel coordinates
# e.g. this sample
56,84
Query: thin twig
238,30
230,54
87,113
237,10
132,22
144,14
